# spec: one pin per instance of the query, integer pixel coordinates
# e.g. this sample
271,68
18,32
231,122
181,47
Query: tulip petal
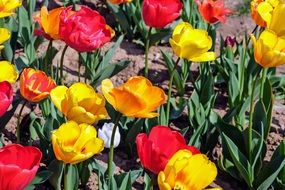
161,181
107,86
208,56
58,98
277,25
8,72
80,115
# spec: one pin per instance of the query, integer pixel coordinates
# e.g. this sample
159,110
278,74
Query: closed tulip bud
85,30
156,149
79,103
49,22
269,49
35,85
73,143
7,7
6,96
4,36
117,2
192,44
136,98
105,134
213,10
187,171
18,166
8,72
230,41
261,11
159,13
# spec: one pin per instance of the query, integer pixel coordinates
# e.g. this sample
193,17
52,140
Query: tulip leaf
269,172
147,182
41,177
259,118
56,167
71,177
239,160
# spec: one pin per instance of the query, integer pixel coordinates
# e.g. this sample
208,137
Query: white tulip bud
105,134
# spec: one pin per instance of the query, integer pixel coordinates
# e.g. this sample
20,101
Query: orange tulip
35,85
117,2
213,10
136,98
49,22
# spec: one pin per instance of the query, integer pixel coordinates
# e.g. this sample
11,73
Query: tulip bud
105,134
230,41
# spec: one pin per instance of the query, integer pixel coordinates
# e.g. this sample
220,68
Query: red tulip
18,166
84,30
213,10
156,149
159,13
6,96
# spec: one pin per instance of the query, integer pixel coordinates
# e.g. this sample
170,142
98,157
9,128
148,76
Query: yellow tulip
269,49
8,72
192,44
73,143
136,98
186,171
276,23
4,36
79,103
261,11
7,7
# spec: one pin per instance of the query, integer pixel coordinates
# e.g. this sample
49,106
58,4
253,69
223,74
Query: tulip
106,132
117,2
79,103
276,23
136,98
261,11
4,36
192,44
49,22
7,7
73,143
156,149
35,85
230,41
18,166
213,10
8,72
159,13
84,30
6,96
269,49
187,171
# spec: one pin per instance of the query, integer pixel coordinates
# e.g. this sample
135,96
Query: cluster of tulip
71,115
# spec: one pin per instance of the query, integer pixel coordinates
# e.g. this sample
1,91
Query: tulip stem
263,78
111,151
251,118
18,131
146,52
172,72
48,56
61,63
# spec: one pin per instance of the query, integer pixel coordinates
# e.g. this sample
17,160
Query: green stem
61,64
191,9
111,151
251,118
146,52
18,130
65,179
78,71
170,90
263,78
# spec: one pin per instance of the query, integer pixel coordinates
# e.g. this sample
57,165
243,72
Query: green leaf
269,172
239,160
178,82
56,167
147,182
71,177
41,177
259,118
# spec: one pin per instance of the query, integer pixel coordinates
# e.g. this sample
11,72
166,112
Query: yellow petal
264,9
80,115
207,56
4,35
161,182
58,96
8,72
106,87
276,24
87,133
